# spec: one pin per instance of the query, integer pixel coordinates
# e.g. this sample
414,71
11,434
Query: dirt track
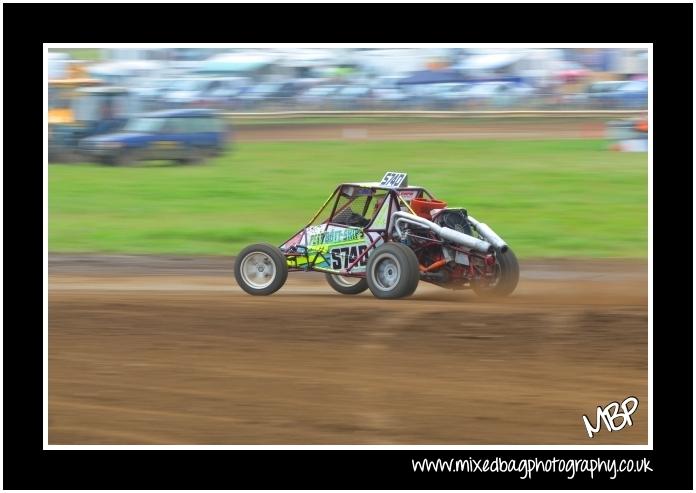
148,350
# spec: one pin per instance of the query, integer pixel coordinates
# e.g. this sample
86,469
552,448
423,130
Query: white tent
492,61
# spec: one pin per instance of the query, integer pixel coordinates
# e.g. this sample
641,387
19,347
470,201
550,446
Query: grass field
556,198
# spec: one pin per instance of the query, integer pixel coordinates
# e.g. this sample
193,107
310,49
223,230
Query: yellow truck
61,93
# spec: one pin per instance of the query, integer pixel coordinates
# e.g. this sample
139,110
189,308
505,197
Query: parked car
209,92
438,95
386,81
496,94
616,94
270,92
449,95
391,97
352,97
593,95
188,136
93,111
632,94
316,97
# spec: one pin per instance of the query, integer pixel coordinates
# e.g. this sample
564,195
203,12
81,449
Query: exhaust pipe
446,233
464,239
490,236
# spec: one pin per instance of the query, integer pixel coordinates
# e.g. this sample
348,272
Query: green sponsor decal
337,236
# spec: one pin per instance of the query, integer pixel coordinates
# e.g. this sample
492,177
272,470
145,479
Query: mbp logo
610,414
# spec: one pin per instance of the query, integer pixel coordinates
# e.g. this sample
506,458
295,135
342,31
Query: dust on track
168,350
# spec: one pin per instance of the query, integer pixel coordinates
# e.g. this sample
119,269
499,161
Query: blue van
187,135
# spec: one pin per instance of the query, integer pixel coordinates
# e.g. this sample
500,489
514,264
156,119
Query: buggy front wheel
261,269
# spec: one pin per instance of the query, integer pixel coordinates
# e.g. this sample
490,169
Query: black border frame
27,26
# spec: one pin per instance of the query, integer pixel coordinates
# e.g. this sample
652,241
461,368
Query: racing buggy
386,236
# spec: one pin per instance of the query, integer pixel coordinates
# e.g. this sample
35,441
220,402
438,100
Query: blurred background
267,169
361,79
165,163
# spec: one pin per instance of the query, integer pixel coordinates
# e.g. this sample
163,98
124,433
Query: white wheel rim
258,270
345,281
386,272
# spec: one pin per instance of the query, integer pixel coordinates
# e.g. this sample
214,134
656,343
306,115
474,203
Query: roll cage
339,225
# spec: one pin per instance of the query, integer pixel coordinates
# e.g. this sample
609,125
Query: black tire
194,155
261,269
127,157
392,271
219,150
347,285
65,156
508,270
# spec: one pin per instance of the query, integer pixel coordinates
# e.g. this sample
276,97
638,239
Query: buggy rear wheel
392,271
507,270
261,269
347,285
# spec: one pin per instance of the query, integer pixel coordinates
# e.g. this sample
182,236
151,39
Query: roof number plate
393,180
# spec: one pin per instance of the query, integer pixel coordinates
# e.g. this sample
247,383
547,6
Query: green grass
557,198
